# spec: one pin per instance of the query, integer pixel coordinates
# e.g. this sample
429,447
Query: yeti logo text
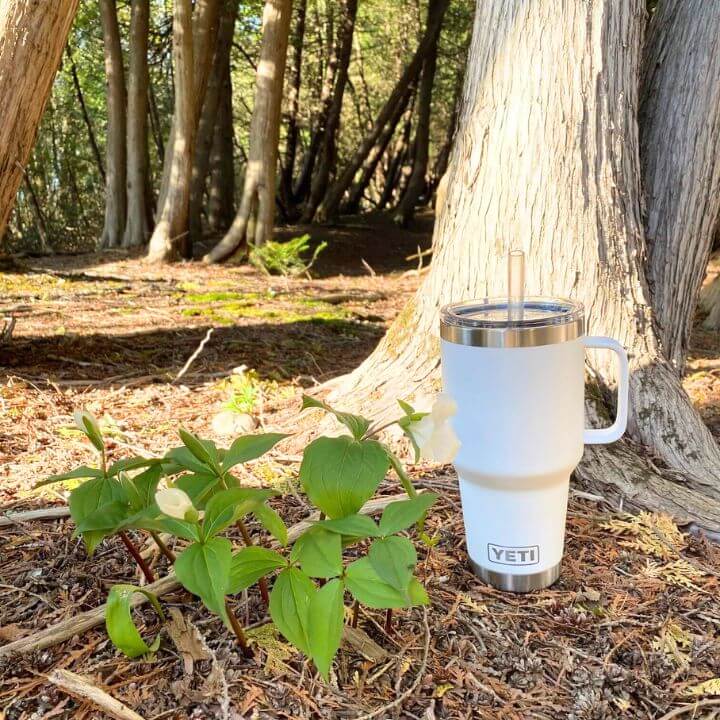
524,555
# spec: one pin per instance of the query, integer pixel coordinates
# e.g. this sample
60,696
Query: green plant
285,258
342,552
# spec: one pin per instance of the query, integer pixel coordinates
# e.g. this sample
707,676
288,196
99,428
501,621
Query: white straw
516,284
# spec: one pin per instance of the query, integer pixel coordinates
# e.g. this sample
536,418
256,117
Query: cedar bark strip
254,220
172,223
115,151
32,37
137,228
546,157
679,145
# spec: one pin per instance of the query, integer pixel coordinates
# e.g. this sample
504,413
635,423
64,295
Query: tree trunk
293,103
327,160
443,156
32,38
257,205
221,195
398,155
418,181
679,143
210,115
115,149
330,206
201,41
546,159
172,221
137,229
710,303
86,116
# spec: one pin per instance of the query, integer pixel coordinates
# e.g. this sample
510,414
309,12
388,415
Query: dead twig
80,688
194,356
51,513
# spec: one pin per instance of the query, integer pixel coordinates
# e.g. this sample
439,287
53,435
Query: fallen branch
78,624
50,513
80,688
193,357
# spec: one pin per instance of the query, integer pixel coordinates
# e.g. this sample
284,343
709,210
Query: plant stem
262,582
388,622
147,572
164,549
405,480
355,614
239,633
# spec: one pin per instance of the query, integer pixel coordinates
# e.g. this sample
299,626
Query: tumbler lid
487,323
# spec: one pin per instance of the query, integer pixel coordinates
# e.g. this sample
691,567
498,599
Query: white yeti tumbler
518,380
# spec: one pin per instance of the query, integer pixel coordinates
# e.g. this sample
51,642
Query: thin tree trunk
565,185
398,154
369,164
330,206
257,206
221,195
209,117
137,229
679,146
172,222
418,181
293,103
39,216
115,149
205,20
327,160
32,38
86,116
155,122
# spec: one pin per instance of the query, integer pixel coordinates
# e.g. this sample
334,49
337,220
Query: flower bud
175,503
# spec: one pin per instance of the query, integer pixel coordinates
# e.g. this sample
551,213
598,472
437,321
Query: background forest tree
366,75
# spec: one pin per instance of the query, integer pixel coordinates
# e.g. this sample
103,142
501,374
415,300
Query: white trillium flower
174,502
434,435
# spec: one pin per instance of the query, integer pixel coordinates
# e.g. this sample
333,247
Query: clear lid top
497,313
495,322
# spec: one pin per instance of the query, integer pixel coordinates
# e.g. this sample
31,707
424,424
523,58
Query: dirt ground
631,629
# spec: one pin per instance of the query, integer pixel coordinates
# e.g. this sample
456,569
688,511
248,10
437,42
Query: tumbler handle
610,434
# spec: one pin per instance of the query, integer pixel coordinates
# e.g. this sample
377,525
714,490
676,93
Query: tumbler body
520,420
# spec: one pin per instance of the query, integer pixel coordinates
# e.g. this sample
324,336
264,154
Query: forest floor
630,630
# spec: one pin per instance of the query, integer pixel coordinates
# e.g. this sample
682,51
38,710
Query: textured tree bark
172,221
32,37
327,158
210,115
257,205
221,193
546,158
201,41
330,206
115,149
680,157
137,228
293,104
418,181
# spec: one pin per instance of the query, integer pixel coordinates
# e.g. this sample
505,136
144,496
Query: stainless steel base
517,583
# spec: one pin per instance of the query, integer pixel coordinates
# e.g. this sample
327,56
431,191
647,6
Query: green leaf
393,559
204,570
108,517
164,523
198,486
86,501
132,464
319,553
146,486
326,620
367,587
250,564
87,423
204,450
180,458
417,593
404,513
272,522
79,473
355,526
340,474
226,506
249,447
119,623
356,424
289,605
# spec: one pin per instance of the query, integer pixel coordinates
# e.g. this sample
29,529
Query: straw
516,284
